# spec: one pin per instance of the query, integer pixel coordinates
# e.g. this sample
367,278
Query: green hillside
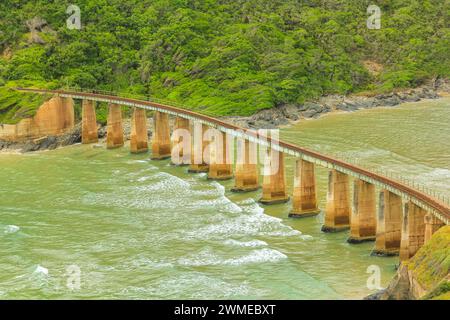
223,56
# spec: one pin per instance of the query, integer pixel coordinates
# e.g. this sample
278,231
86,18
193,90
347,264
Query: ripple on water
208,258
201,286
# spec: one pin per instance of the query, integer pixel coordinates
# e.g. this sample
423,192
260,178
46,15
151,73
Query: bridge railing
412,183
136,96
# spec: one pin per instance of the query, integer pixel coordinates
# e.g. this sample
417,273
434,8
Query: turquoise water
142,229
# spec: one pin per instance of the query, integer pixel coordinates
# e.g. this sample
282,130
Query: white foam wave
252,243
367,153
261,255
206,258
436,179
145,178
146,195
248,201
41,270
252,224
145,262
138,161
201,287
221,203
11,229
166,183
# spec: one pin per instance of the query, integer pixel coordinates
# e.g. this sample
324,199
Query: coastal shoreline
274,118
285,115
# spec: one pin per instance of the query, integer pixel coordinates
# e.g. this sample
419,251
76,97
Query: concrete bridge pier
432,224
274,181
304,200
139,134
338,211
220,167
161,145
114,134
200,145
89,131
246,175
183,150
363,222
389,224
67,113
413,230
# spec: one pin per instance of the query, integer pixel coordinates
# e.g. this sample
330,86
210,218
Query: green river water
141,229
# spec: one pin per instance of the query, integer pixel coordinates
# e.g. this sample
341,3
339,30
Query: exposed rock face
283,114
425,276
72,136
54,117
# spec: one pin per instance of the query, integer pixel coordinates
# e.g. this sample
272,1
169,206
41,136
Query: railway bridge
406,217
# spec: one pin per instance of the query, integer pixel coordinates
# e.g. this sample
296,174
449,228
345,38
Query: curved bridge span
418,203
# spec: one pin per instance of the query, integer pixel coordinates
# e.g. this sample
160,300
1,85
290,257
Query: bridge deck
439,209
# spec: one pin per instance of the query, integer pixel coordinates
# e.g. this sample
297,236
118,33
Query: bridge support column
89,133
337,212
246,176
432,224
139,134
220,167
304,199
389,224
413,230
161,147
114,137
177,140
274,182
199,145
67,112
363,222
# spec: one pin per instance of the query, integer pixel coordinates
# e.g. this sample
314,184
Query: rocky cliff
426,275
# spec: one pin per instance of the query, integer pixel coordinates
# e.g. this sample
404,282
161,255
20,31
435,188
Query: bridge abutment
89,131
363,223
199,149
413,230
220,167
338,211
139,134
246,175
114,135
304,201
389,224
274,181
161,145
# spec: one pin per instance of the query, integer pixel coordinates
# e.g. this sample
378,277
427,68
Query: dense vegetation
224,56
431,265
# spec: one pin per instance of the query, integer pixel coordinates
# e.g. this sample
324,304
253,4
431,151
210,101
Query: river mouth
144,229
